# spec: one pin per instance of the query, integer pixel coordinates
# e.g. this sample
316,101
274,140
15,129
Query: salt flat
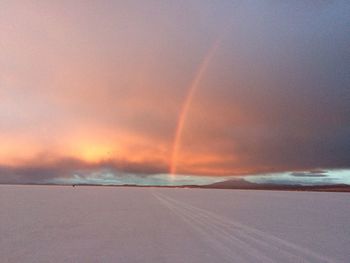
117,224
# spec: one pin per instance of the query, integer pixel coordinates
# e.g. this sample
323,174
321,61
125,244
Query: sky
142,89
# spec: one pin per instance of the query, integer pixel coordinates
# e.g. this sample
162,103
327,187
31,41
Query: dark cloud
44,171
309,174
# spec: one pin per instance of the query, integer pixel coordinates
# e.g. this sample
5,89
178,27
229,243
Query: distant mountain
242,184
233,184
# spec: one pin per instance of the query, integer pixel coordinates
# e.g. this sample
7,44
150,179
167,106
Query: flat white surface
116,224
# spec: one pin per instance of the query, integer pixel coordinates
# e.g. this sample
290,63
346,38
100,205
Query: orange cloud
106,85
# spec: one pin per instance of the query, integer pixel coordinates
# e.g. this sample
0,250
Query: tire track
239,234
223,241
217,245
232,235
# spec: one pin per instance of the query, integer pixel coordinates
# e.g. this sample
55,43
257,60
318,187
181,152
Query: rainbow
187,104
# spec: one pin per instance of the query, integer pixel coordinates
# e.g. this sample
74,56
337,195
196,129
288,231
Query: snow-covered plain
119,224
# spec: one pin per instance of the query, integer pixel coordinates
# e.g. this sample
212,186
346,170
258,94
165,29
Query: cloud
44,171
309,174
73,171
90,82
303,178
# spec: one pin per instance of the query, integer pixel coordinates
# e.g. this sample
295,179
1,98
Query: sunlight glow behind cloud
87,85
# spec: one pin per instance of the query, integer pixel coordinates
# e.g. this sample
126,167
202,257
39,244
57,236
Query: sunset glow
200,89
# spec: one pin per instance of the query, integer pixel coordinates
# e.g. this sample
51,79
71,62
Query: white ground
112,224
